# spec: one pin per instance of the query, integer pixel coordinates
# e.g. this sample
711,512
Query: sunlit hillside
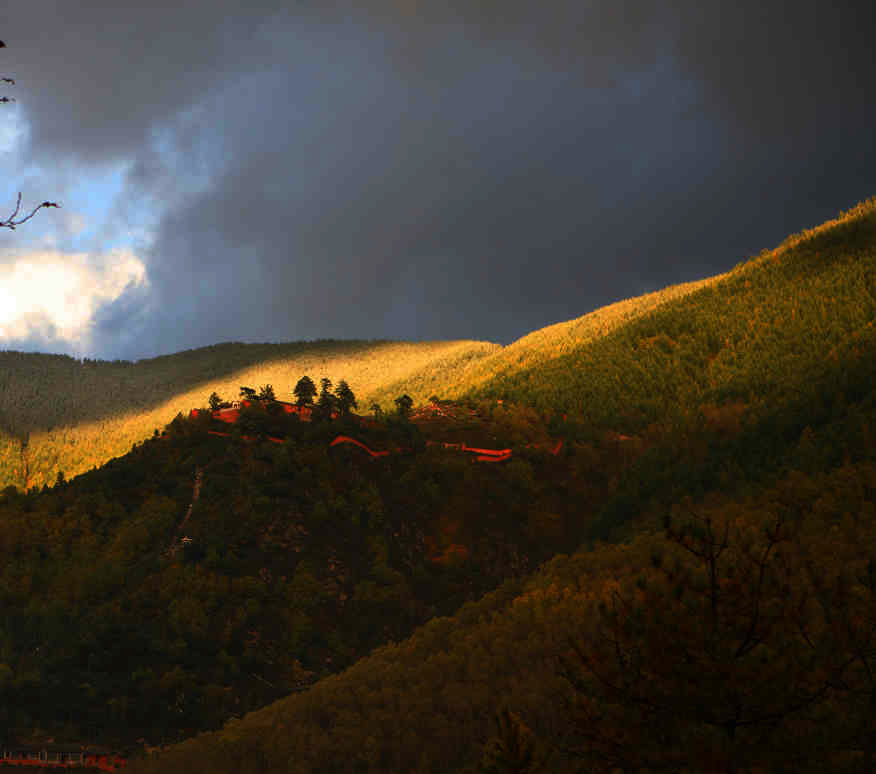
75,415
540,366
709,343
767,332
451,378
50,399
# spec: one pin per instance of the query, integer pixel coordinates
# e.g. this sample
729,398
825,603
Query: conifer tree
731,653
404,404
327,402
266,394
304,391
345,397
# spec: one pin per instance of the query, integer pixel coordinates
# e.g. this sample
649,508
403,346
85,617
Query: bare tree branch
10,222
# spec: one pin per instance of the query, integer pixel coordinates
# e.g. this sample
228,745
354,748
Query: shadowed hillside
217,567
613,657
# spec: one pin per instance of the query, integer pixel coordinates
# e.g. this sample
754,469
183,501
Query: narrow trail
196,493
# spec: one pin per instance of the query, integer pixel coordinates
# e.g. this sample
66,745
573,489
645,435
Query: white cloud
46,294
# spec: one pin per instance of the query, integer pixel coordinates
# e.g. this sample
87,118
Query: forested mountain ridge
760,335
211,570
734,627
724,442
533,349
59,414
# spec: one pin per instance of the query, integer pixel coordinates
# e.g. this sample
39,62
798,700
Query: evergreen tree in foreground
404,404
266,394
304,391
327,402
345,398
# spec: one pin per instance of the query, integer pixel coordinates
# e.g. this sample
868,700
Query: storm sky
278,171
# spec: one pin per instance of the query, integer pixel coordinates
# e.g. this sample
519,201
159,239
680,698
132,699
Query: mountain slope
714,343
734,630
212,569
760,334
728,436
77,415
552,368
449,379
606,658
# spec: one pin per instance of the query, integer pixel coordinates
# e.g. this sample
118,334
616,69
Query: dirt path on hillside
196,493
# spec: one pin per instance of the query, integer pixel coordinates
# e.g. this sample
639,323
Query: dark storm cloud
781,69
441,170
100,75
770,66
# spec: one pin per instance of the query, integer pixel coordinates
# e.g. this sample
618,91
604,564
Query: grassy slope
82,415
787,324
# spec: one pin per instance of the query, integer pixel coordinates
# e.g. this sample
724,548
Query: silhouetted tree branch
11,222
